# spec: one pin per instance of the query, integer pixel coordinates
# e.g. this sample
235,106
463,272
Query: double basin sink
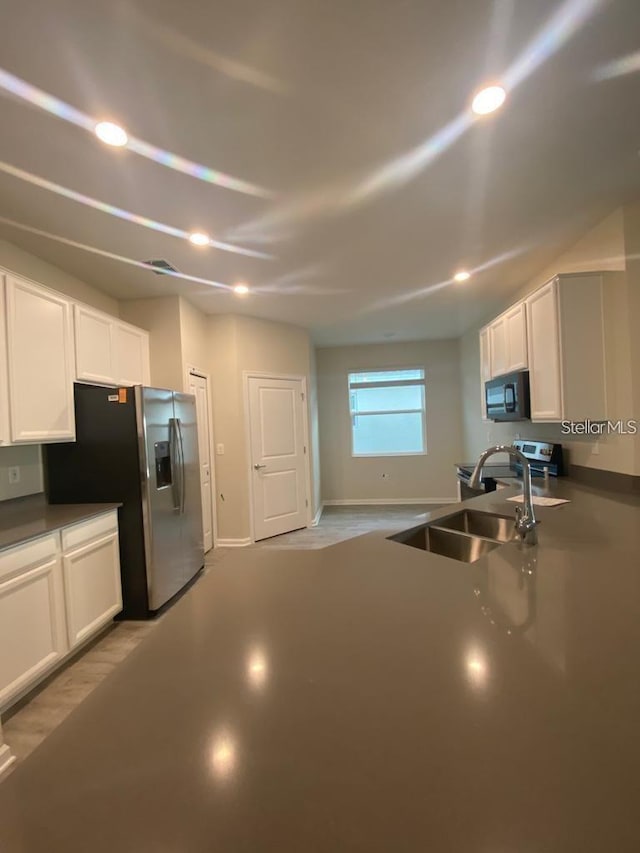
465,536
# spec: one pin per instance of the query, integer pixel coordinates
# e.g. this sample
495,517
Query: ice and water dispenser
163,464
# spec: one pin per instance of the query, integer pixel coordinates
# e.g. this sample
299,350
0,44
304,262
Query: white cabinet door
92,586
543,334
40,357
485,368
94,346
5,429
131,348
516,334
498,347
32,621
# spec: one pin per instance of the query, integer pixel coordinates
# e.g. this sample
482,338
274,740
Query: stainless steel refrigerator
138,447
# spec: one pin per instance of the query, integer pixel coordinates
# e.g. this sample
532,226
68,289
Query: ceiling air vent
161,267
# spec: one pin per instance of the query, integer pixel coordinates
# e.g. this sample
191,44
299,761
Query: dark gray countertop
27,518
367,698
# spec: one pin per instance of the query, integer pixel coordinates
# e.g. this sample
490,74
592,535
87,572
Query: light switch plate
220,449
14,475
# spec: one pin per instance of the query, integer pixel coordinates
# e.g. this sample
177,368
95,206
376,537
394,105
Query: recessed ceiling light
199,239
111,134
241,289
462,275
487,100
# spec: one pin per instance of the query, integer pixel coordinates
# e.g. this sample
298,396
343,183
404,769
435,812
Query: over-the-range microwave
507,397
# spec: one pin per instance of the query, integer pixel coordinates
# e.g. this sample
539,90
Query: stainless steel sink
457,546
499,527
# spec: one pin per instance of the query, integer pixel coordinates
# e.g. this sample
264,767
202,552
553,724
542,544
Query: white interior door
277,452
199,387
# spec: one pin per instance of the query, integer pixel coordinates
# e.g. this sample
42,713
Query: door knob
258,467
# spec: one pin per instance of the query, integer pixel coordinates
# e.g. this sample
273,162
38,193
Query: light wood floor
30,723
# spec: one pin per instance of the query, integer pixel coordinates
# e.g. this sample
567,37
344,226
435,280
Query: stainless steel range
545,458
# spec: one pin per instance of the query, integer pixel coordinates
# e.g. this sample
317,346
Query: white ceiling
311,99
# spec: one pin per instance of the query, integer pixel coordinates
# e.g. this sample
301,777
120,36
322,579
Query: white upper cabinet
516,334
94,346
558,334
565,322
498,341
485,368
5,429
508,341
39,334
131,355
545,378
109,352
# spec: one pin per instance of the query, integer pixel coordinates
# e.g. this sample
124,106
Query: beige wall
22,263
429,477
601,248
314,427
194,334
226,347
161,318
237,346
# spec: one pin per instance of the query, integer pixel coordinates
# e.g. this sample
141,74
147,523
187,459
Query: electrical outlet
14,475
220,449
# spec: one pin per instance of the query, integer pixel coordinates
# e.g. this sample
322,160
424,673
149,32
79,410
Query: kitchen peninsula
368,697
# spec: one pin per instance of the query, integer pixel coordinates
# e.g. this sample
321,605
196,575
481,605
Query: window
387,409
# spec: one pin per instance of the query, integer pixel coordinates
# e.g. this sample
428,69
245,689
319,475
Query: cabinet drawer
84,531
33,553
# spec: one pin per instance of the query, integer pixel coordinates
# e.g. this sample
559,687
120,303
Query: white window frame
390,384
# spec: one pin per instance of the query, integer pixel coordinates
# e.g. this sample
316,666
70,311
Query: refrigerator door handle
182,468
175,456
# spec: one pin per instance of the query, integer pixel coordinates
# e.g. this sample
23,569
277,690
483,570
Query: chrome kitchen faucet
525,516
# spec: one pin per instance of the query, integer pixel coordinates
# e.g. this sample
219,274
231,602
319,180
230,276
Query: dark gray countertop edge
28,518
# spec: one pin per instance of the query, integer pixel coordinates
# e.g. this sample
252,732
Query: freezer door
161,493
190,489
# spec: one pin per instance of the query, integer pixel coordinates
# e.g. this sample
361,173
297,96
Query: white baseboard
6,758
233,543
389,501
318,516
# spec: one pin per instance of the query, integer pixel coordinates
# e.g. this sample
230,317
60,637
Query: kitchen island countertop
367,698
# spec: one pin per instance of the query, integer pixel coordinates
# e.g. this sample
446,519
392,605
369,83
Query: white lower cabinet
55,593
32,614
91,568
